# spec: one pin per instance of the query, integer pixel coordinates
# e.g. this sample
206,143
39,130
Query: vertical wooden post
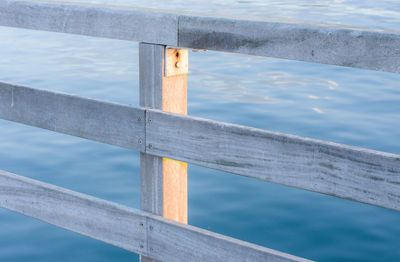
174,99
163,85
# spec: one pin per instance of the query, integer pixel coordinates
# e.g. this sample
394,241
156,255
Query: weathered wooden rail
349,172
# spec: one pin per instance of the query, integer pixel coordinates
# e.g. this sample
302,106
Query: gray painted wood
151,71
321,43
172,241
124,227
105,122
151,183
348,172
151,64
353,173
365,48
123,23
102,220
151,60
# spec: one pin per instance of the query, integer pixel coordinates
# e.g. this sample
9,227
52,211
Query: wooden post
163,85
174,99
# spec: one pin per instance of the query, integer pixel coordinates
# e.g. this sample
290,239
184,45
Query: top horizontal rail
143,25
340,45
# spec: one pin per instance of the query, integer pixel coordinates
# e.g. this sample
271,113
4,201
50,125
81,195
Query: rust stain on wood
174,99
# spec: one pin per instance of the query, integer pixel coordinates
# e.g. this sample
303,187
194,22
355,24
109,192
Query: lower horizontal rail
130,229
348,172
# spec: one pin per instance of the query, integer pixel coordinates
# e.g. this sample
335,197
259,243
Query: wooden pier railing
165,135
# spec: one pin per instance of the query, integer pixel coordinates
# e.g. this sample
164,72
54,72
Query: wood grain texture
348,172
124,23
365,48
174,99
168,93
353,173
171,241
151,74
175,94
151,183
127,228
175,193
102,220
104,122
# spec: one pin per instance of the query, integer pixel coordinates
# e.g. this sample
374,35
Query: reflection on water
319,111
351,106
258,88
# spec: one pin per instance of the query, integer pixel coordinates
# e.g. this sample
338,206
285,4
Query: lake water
344,105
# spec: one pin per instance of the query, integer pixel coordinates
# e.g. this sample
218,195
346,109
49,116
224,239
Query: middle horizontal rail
349,172
100,121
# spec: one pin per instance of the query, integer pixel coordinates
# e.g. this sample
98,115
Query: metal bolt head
141,246
140,141
178,64
139,119
150,146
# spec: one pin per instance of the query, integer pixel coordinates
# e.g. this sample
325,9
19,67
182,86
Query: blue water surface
351,106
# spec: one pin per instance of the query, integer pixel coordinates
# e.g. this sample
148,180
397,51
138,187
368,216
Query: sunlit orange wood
174,99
